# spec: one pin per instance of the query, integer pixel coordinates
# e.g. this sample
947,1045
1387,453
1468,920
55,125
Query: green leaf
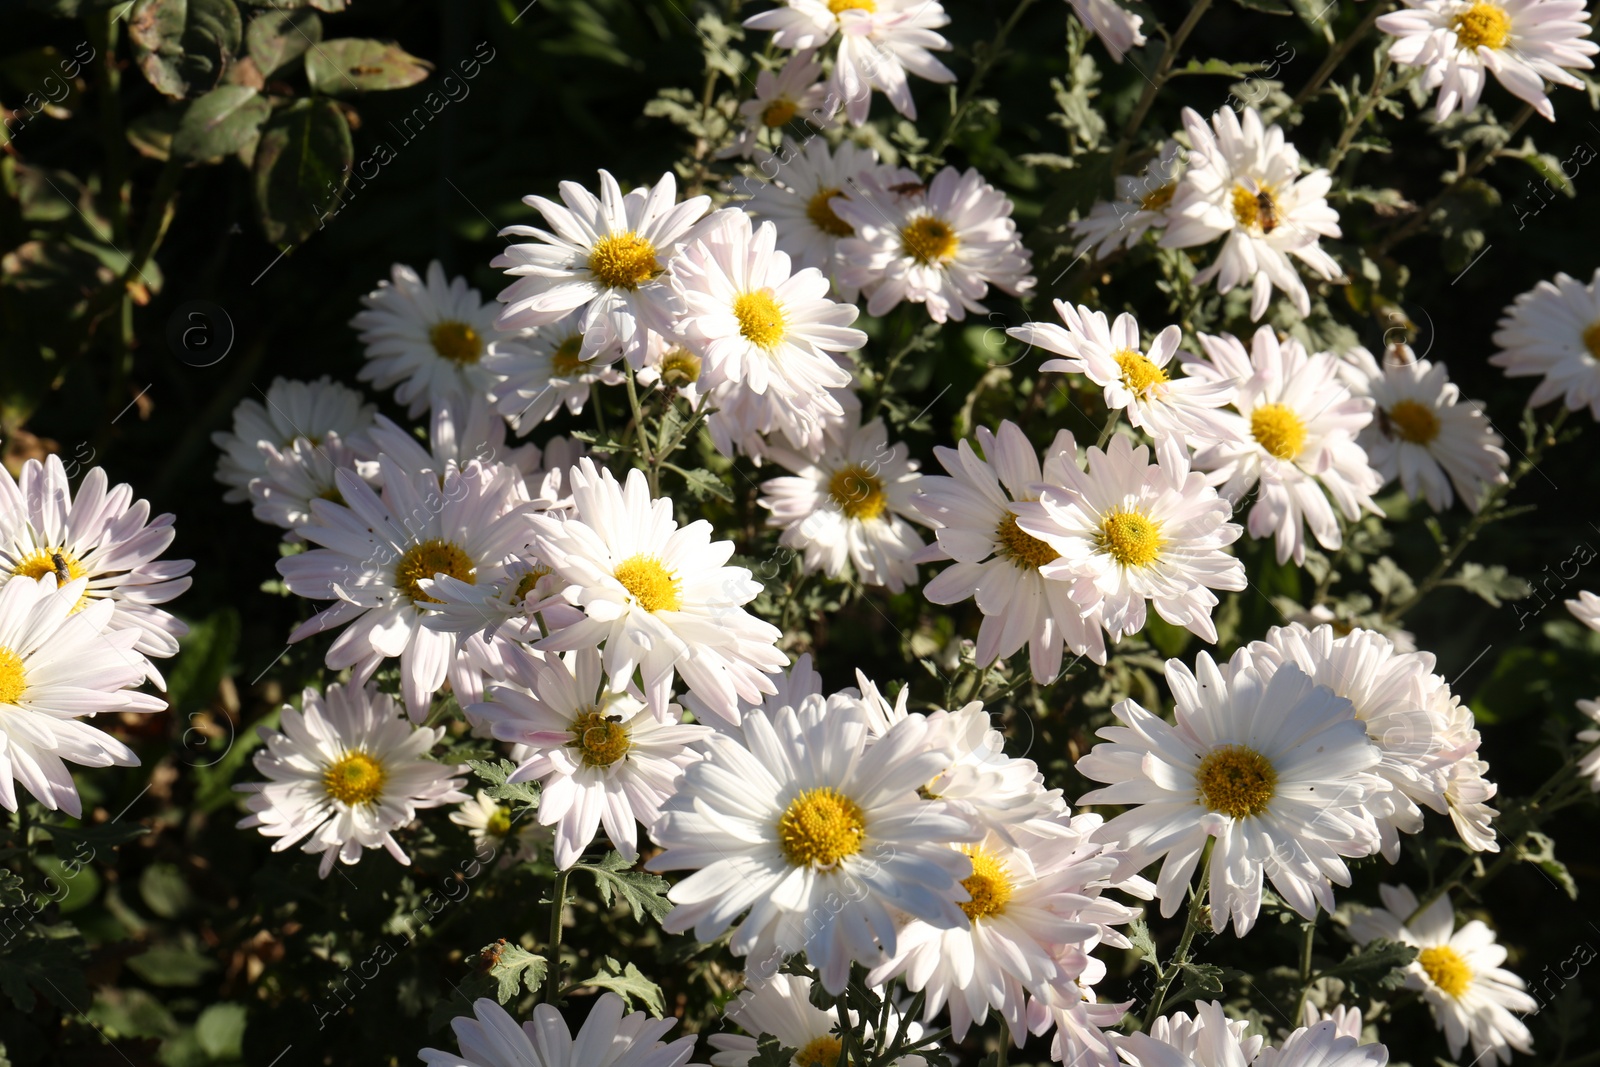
1203,980
81,882
1389,581
702,483
516,968
644,893
216,125
1379,965
220,1029
1541,852
301,166
495,774
164,890
48,966
275,39
151,133
204,654
183,46
172,965
124,1013
770,1052
1144,946
631,983
356,65
1494,584
1218,66
103,835
1271,7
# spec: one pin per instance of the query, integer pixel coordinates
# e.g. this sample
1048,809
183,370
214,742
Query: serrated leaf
702,483
1144,946
302,164
494,775
183,46
275,39
1541,852
631,983
357,65
102,835
1380,964
1203,980
644,893
515,969
1388,580
219,124
1221,67
1494,583
770,1052
171,965
164,891
220,1031
50,967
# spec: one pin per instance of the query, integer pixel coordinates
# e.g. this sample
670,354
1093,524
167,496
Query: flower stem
1337,54
1163,71
980,71
558,904
1180,955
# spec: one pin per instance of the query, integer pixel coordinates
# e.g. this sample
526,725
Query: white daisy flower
1294,436
849,506
822,837
506,604
538,375
1127,531
550,480
1407,710
1422,432
1211,1039
1589,763
1114,24
880,41
487,821
942,246
600,758
661,598
742,420
794,91
754,322
296,475
608,1038
995,562
1346,1020
1177,413
1140,205
427,337
793,686
779,1005
375,552
1024,907
1467,789
1277,770
100,533
346,772
1521,42
1553,330
1457,972
460,431
1586,609
292,411
799,195
61,660
675,370
1083,1036
606,256
1244,183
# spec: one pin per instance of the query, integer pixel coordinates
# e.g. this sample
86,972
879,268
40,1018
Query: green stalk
1163,70
558,903
1180,955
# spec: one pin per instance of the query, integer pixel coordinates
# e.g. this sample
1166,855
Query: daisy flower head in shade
880,41
974,512
1586,609
942,246
551,479
779,1005
1177,412
1211,1039
507,603
605,255
59,662
1140,205
1243,183
850,506
1457,972
820,835
797,197
296,475
1115,25
661,598
1293,437
460,431
794,92
1589,763
1275,770
1467,789
1084,1034
538,375
601,758
1553,331
1127,531
608,1038
426,337
489,822
1422,432
754,322
49,533
344,773
288,411
374,551
753,424
1523,43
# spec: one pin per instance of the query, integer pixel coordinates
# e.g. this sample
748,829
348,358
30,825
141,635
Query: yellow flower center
1591,339
355,780
1255,208
599,740
989,886
1138,373
426,560
13,679
1483,26
36,565
760,318
1157,199
1130,538
564,361
821,214
499,824
1446,969
819,1052
647,580
526,583
779,111
1236,780
680,367
1021,548
1413,422
623,261
1278,429
820,827
858,493
456,341
838,6
929,240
